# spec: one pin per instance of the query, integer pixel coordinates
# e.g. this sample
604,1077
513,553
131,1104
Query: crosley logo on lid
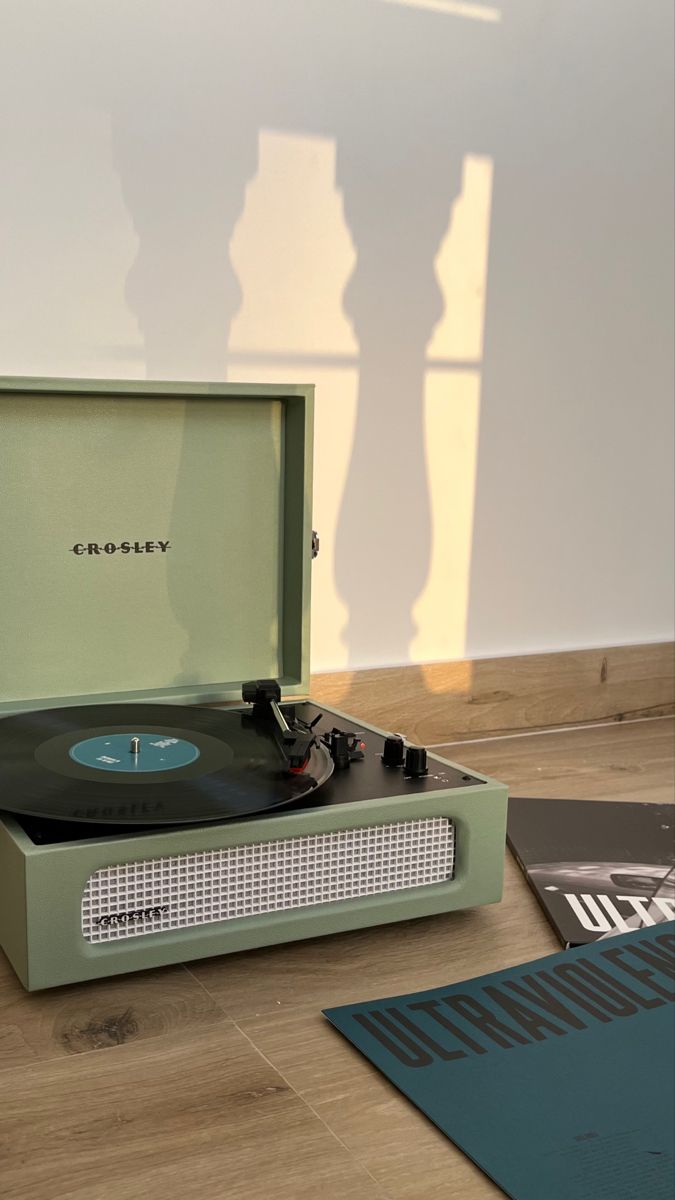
120,547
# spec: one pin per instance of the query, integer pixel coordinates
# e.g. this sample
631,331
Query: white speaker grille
265,877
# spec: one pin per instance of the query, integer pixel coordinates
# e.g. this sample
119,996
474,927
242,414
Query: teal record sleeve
556,1077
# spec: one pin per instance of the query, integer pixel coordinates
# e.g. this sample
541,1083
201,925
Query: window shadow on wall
395,89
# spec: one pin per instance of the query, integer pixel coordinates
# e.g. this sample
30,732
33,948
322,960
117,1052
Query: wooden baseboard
442,702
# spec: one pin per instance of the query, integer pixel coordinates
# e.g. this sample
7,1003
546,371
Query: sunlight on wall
452,411
452,406
452,8
292,252
293,220
293,255
462,267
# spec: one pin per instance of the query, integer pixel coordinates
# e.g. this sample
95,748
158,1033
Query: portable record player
155,555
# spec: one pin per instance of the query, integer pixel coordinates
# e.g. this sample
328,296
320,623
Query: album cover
597,867
555,1076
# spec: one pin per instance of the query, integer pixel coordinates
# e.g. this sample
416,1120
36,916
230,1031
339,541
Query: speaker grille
265,877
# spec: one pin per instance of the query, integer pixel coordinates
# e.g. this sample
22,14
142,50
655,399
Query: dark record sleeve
597,867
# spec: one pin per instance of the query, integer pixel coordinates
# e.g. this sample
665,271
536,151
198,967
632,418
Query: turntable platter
148,765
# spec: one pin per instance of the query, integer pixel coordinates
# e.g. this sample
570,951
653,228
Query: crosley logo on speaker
138,914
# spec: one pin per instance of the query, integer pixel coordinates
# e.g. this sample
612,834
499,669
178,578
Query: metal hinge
316,544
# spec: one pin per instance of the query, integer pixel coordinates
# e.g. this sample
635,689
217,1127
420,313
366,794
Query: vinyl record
147,764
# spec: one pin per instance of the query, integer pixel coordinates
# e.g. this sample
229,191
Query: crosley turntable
155,556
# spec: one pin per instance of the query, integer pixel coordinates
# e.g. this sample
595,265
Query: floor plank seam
587,726
361,1166
219,1005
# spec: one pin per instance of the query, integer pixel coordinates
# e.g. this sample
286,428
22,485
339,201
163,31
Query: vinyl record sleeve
597,867
556,1077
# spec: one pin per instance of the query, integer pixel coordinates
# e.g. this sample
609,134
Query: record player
167,791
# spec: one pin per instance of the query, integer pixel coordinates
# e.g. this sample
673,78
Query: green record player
167,791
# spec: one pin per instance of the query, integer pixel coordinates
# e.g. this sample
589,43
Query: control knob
415,761
394,750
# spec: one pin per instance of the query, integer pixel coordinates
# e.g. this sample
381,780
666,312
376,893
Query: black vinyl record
147,764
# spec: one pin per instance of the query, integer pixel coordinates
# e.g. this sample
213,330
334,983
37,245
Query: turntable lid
155,540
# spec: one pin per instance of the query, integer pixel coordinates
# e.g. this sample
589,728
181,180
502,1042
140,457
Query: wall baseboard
442,702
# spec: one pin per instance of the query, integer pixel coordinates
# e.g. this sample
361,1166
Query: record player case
156,546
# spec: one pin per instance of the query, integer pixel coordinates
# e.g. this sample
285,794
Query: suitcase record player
167,791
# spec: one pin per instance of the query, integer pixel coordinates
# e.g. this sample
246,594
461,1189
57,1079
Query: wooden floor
224,1082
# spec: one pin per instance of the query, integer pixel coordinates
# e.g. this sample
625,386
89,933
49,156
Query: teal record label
141,752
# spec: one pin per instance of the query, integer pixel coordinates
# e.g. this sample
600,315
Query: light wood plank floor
223,1081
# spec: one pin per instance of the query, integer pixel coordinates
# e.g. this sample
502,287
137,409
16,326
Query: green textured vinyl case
156,549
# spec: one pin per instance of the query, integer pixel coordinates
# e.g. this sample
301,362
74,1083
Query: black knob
415,761
394,749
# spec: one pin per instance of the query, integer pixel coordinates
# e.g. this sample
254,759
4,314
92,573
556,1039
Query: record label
137,753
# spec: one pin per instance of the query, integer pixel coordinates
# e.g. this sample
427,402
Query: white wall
455,218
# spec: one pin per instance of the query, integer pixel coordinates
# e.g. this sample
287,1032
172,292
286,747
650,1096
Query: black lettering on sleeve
438,1050
667,940
643,976
416,1056
619,985
654,957
490,1025
531,989
559,985
529,1020
607,997
431,1008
